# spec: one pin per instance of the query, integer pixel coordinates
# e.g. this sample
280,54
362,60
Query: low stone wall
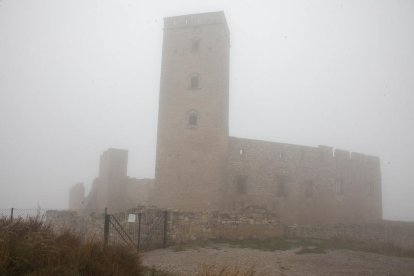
187,226
184,227
393,234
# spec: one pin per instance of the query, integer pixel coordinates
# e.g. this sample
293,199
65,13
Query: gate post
165,228
106,227
139,229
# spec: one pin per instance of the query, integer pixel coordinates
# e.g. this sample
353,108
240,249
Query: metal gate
144,229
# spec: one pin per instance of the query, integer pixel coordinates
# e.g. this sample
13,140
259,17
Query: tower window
339,189
195,45
195,82
192,118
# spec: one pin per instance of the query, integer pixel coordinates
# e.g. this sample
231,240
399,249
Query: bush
29,247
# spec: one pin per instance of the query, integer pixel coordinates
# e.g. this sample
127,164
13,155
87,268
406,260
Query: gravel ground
333,262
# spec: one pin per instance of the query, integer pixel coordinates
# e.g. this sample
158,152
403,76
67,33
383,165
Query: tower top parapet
193,20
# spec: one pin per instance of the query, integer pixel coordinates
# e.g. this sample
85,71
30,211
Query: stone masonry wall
191,154
189,226
382,234
304,185
254,223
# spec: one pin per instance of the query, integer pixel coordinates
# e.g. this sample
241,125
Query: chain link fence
14,213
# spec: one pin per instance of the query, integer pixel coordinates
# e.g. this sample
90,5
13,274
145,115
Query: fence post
106,227
165,228
11,214
139,229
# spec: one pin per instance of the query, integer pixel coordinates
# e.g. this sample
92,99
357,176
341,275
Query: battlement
194,20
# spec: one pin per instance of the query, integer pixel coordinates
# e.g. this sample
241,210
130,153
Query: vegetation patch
29,247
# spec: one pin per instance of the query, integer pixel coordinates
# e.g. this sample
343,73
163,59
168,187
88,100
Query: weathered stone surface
251,223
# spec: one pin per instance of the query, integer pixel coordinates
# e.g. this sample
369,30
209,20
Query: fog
78,77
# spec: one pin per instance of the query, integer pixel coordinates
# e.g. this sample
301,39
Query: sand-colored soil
333,262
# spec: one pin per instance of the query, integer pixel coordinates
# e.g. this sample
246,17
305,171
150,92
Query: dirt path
333,262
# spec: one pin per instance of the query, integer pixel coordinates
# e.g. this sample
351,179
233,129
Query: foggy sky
78,77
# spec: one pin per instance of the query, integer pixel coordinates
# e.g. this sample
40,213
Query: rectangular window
195,46
192,119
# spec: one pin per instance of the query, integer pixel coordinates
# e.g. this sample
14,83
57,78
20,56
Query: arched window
195,45
192,118
195,81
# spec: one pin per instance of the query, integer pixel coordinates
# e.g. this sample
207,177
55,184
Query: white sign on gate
131,217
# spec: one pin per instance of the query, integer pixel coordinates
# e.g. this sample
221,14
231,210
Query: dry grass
214,270
206,270
29,247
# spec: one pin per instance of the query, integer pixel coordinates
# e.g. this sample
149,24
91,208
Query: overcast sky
78,77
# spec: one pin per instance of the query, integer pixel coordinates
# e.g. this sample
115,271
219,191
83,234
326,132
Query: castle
200,167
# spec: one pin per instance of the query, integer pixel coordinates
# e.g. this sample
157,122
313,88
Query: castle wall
304,185
381,235
137,192
184,227
109,190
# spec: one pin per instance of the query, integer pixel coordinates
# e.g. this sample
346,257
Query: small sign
131,217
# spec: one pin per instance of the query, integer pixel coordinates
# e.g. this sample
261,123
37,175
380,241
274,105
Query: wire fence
143,228
14,213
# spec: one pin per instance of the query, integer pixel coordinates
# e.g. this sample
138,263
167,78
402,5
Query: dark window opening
241,184
195,46
192,119
195,82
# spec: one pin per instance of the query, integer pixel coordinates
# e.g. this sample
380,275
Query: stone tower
193,128
110,188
